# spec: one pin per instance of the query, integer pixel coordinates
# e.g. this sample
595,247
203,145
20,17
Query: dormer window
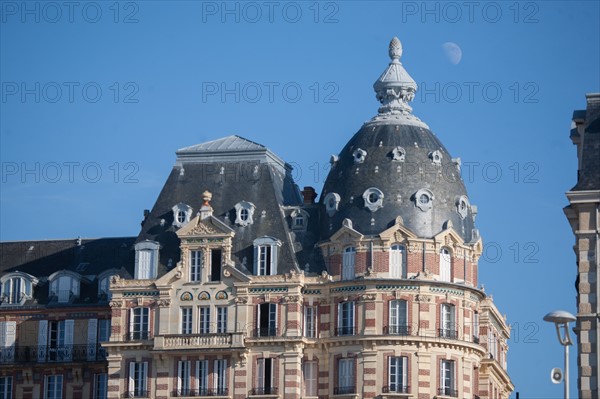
182,214
299,219
332,201
436,157
146,260
16,288
462,206
359,155
104,285
265,256
373,199
244,213
424,199
64,286
398,154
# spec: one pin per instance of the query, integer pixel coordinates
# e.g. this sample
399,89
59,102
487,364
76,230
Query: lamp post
561,320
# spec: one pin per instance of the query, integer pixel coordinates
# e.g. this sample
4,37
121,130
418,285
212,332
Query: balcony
341,331
47,354
198,341
201,392
62,296
265,391
138,336
137,394
447,333
397,330
396,389
344,390
265,332
453,393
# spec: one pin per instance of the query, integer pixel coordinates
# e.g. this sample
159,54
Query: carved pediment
210,226
449,238
397,233
346,234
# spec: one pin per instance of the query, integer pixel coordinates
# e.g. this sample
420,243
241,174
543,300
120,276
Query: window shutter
404,371
131,387
69,324
92,338
256,260
131,321
179,377
274,257
42,340
260,373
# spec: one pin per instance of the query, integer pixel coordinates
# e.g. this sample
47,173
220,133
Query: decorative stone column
368,371
292,372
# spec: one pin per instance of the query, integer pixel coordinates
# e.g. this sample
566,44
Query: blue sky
96,98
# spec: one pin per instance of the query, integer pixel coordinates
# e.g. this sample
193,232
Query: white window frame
346,320
202,377
398,317
220,376
53,386
244,213
261,377
271,322
221,319
346,373
8,337
104,286
146,260
310,321
310,373
185,314
196,263
6,387
397,261
184,377
138,379
100,386
448,320
265,256
203,319
447,377
398,374
139,324
348,263
184,210
445,264
476,325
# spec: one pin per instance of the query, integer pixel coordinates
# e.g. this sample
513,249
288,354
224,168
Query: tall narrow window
397,374
220,372
138,379
476,327
215,264
397,268
184,378
5,387
265,256
267,320
398,318
53,387
309,370
103,336
186,320
264,260
447,383
445,265
195,266
221,319
346,318
8,337
13,290
202,377
264,377
60,340
146,259
348,263
447,321
310,321
100,386
138,325
346,382
204,320
144,264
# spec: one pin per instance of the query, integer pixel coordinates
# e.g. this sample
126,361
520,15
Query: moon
452,52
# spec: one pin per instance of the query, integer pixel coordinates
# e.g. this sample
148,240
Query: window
181,214
195,266
104,287
373,198
310,373
424,199
15,290
100,386
492,345
332,201
138,324
53,387
265,256
348,263
310,321
267,320
299,220
146,260
398,318
184,378
264,377
436,157
220,373
215,264
476,327
202,377
5,387
398,374
181,217
447,321
203,320
359,155
346,382
397,269
445,265
103,330
462,206
138,379
221,319
64,287
186,320
398,154
244,213
447,383
60,340
346,318
8,334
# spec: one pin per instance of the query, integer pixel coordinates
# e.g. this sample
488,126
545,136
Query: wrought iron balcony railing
345,331
396,389
137,394
448,392
52,354
397,330
447,333
201,392
344,390
264,391
138,336
265,332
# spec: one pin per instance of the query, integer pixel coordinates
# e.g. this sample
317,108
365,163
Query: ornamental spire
395,88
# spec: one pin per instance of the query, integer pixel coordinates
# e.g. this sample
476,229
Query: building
242,286
583,214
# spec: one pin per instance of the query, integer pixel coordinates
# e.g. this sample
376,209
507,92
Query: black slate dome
395,166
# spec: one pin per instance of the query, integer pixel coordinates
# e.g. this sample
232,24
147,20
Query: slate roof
589,174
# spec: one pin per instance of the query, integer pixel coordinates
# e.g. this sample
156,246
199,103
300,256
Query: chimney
309,194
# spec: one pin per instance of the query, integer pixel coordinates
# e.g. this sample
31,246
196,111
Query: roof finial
395,49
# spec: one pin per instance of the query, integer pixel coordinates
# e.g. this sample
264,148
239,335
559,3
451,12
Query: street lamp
561,320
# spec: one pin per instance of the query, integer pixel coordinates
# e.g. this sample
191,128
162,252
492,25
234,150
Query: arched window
348,263
445,265
397,262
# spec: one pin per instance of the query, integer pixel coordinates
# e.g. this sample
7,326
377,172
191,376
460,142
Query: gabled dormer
266,254
16,288
64,286
146,260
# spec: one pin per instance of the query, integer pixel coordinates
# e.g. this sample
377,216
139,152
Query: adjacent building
240,285
583,214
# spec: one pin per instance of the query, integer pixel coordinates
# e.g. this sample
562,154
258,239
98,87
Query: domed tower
398,228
